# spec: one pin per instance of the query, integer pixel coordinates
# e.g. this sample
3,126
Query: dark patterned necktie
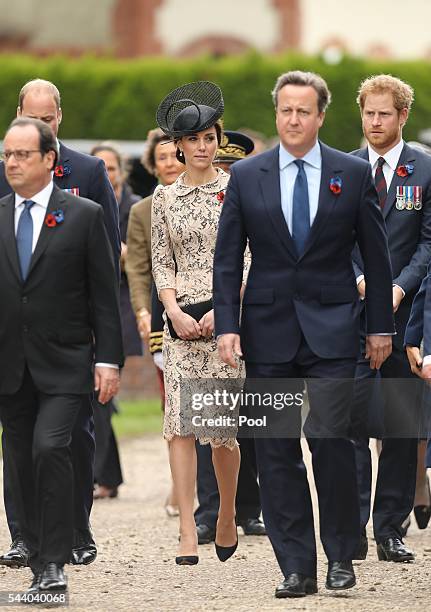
380,182
24,238
300,209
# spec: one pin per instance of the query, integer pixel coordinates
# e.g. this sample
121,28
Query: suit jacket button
25,329
24,299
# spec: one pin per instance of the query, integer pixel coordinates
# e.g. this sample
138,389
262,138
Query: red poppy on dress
220,197
335,185
50,220
59,171
405,170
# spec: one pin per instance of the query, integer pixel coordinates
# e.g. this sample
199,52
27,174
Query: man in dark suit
418,329
85,176
403,180
301,206
59,314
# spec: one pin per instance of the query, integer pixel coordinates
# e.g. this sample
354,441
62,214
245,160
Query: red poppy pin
335,185
60,170
405,170
54,218
220,197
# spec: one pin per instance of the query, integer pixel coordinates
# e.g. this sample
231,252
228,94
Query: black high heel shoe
187,560
225,552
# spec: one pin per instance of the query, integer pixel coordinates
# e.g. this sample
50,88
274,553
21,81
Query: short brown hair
402,93
311,79
148,159
39,85
47,140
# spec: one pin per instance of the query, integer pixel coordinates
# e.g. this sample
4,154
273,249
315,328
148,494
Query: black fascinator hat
190,108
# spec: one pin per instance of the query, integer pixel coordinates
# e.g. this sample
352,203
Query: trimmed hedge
108,98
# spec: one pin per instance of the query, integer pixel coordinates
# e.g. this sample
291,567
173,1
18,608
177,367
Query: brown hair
402,93
311,79
47,139
39,85
108,146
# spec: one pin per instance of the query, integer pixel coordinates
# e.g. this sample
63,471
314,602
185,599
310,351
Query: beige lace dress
183,230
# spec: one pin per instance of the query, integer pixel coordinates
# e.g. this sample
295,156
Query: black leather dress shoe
53,579
34,587
17,555
340,575
393,549
84,549
206,535
252,526
296,585
362,550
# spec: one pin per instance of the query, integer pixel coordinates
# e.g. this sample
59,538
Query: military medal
417,197
401,198
409,197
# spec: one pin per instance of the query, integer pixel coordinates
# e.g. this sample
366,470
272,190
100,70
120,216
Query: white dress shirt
288,174
391,161
38,213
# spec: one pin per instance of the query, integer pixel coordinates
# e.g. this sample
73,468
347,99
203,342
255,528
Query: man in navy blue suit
403,181
419,328
301,207
83,176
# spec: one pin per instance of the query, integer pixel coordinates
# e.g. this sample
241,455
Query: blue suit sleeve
415,326
103,194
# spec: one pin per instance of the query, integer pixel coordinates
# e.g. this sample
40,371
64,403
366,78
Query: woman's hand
186,326
207,324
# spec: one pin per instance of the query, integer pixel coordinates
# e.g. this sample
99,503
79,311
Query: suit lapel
7,232
327,199
270,185
407,157
56,200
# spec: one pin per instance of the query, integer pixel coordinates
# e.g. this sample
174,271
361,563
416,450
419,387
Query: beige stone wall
399,26
63,23
179,23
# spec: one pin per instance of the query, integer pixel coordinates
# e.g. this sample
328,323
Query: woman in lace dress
185,218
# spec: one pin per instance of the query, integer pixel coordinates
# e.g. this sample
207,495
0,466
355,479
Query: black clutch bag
196,311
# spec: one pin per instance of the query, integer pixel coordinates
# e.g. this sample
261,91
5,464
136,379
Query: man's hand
377,350
361,288
397,296
144,325
415,360
107,382
228,346
426,373
207,324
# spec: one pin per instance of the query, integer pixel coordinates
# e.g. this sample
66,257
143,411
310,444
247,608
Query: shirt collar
391,157
313,157
41,198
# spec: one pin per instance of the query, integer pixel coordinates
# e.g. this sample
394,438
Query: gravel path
135,569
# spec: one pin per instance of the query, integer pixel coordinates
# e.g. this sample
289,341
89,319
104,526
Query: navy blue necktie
24,238
300,209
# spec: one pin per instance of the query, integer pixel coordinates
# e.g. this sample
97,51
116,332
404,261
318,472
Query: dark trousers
400,395
37,436
107,468
83,449
247,495
285,494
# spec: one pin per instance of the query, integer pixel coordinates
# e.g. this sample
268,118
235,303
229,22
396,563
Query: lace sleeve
161,245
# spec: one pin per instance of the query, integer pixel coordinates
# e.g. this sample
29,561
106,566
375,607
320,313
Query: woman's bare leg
182,458
226,466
